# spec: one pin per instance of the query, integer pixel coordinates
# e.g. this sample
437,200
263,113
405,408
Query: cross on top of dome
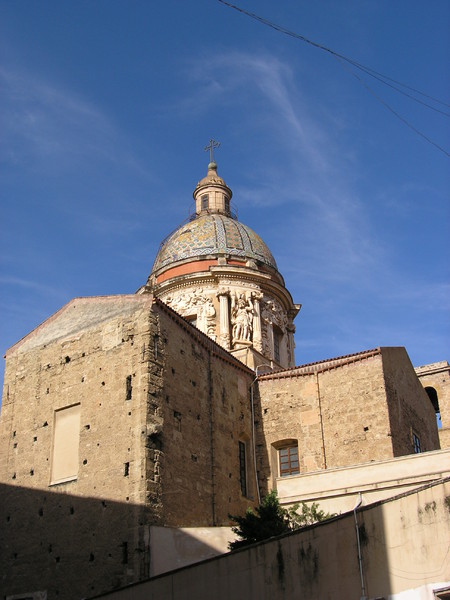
212,144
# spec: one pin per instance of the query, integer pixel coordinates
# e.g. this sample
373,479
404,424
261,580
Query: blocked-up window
66,440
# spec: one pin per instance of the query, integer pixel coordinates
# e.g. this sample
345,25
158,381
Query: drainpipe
363,589
321,422
253,428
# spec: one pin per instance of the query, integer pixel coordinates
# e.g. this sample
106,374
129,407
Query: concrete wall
404,544
172,548
337,490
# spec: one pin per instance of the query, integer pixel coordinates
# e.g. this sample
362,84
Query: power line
369,71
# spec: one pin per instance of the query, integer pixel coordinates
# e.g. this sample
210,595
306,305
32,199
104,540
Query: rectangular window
242,468
66,439
289,464
129,388
416,443
205,203
276,346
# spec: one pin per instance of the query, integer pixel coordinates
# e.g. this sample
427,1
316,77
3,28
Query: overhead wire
367,70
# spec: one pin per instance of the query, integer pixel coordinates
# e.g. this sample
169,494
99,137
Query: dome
213,234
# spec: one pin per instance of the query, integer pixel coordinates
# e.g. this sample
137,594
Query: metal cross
212,144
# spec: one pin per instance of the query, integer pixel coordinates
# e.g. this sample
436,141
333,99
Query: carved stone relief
236,316
196,304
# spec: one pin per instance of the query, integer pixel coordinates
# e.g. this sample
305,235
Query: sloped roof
80,314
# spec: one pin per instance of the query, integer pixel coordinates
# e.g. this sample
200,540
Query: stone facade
435,378
164,414
355,409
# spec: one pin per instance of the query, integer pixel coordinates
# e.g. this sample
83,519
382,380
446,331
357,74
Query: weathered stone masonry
354,409
162,411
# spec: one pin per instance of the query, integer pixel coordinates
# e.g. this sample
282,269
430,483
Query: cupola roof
213,231
213,235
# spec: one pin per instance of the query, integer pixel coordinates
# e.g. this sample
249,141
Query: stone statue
242,317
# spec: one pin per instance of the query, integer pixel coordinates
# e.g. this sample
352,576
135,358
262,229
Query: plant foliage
270,519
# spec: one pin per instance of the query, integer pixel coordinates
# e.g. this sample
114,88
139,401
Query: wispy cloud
324,210
46,127
35,286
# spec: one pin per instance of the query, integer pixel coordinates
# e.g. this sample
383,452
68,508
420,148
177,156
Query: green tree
308,515
270,519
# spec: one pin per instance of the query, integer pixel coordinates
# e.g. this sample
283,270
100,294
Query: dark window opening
129,388
242,468
205,203
277,335
125,553
289,464
432,395
416,443
126,469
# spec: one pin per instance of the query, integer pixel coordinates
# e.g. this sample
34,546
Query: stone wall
206,412
92,523
347,411
437,377
411,412
162,410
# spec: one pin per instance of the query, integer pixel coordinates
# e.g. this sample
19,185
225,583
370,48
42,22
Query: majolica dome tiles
213,234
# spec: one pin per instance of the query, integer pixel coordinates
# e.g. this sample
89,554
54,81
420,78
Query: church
125,417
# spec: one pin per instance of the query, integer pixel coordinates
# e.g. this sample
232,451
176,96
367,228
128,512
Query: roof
79,315
82,314
322,365
213,234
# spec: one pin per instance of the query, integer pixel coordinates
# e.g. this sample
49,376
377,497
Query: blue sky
106,109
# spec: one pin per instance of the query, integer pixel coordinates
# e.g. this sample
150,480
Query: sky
106,108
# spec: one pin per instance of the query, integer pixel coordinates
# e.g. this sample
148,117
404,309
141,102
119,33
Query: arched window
287,456
432,395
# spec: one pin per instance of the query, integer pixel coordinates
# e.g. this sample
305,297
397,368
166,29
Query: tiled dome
213,234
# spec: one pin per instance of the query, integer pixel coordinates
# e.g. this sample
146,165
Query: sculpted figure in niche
242,317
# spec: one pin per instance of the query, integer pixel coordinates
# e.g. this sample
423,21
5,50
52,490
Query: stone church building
179,405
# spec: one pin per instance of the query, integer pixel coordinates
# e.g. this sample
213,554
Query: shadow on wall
73,547
404,554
